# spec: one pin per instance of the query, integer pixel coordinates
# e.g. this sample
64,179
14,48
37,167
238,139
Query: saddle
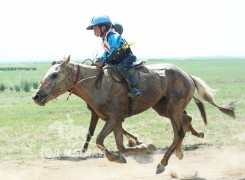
113,72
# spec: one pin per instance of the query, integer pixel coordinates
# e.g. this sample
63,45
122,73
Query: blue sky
36,30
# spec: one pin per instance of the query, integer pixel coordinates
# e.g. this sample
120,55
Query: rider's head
118,27
100,25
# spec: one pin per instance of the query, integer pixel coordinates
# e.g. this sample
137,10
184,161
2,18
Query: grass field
30,131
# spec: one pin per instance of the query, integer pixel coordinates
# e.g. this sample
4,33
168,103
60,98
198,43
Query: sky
46,30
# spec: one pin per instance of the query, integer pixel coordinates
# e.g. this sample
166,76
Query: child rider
117,52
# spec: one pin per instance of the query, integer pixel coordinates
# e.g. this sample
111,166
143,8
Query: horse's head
56,82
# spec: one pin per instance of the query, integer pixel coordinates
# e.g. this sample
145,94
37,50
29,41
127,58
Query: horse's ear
66,61
54,62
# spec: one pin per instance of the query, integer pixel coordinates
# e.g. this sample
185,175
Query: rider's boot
132,82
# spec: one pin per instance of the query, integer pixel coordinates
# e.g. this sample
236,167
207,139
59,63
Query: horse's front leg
138,149
132,140
109,126
92,126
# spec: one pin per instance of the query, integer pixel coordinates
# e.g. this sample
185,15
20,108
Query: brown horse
166,88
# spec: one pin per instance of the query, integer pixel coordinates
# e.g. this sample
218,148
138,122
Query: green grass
30,131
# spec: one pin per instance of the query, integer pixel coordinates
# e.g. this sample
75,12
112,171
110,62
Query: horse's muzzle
38,99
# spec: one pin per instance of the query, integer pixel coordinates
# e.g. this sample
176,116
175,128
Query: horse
166,88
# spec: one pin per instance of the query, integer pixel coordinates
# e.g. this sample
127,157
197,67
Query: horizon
201,58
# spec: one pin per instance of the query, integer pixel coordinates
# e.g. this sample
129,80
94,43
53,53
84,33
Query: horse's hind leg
178,137
186,125
195,133
186,121
173,110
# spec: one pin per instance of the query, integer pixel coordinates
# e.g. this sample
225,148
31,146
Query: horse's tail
201,108
207,94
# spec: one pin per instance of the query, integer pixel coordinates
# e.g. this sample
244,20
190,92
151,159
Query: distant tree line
23,85
17,68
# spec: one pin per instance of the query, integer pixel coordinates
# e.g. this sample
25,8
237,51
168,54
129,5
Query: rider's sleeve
115,41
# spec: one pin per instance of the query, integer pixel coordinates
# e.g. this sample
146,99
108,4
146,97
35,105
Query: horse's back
158,74
177,79
170,70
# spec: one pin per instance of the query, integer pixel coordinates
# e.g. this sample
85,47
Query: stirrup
134,92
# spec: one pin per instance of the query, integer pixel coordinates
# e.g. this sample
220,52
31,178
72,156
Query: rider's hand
98,64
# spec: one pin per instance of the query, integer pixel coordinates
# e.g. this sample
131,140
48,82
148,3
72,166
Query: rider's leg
131,80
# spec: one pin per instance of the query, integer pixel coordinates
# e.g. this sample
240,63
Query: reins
72,88
74,85
77,82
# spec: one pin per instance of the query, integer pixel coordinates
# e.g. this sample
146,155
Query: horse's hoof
84,150
201,135
132,143
151,148
160,169
121,160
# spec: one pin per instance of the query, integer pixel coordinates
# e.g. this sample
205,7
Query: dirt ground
201,163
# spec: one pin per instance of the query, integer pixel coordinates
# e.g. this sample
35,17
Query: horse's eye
54,75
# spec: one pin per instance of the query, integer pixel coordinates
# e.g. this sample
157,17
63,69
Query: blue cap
99,20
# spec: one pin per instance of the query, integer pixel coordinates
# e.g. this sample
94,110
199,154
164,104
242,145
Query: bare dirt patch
203,163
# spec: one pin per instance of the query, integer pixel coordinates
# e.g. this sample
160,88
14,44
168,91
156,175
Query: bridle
68,79
74,83
55,87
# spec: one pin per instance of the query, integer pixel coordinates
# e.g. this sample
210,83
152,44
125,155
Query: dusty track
203,163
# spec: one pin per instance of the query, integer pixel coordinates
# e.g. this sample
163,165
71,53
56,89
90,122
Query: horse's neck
83,71
84,76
